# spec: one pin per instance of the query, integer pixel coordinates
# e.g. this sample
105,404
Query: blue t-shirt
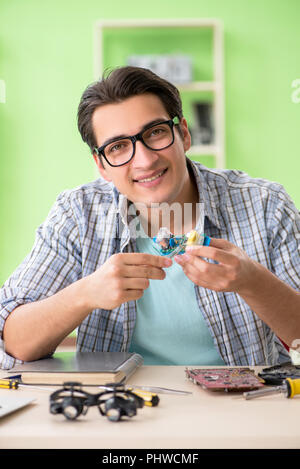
170,328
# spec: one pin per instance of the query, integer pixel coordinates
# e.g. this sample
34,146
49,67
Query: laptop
9,404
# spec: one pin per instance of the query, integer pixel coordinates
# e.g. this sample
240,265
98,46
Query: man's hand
123,277
233,272
35,329
273,300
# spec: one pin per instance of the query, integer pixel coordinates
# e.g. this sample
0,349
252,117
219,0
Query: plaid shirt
89,224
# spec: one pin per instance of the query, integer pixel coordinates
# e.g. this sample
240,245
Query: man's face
127,118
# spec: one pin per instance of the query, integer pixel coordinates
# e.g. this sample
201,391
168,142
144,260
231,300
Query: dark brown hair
118,85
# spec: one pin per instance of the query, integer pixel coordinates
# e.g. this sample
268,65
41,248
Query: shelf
158,23
198,86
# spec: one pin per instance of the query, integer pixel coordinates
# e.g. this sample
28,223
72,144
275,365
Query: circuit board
225,379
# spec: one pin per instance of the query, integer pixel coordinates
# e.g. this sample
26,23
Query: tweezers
160,390
155,389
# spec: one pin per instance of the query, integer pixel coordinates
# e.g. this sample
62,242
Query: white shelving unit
216,86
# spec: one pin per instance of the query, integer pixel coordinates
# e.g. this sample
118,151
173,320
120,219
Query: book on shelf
83,367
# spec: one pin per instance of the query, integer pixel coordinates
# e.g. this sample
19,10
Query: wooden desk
201,420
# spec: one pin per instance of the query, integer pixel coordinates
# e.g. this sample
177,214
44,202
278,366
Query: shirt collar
207,196
121,203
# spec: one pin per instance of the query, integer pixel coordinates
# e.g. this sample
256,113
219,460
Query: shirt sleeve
53,263
284,239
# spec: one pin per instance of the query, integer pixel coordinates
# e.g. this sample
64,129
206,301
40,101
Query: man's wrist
255,280
79,296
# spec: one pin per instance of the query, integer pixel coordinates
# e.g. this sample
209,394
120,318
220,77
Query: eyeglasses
114,403
156,137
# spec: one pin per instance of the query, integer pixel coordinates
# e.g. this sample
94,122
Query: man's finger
144,271
193,275
135,284
141,258
190,262
215,253
220,243
132,294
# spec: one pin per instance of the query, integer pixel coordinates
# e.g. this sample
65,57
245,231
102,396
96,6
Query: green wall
46,61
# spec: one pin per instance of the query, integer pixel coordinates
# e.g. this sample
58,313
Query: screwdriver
9,384
150,398
289,388
14,384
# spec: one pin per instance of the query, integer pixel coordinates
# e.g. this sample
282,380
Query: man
226,303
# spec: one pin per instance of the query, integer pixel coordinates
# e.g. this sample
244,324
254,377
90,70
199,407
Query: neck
179,217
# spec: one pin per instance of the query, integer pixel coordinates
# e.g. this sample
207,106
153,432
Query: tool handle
8,384
293,387
150,398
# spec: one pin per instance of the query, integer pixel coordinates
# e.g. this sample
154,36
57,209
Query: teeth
151,179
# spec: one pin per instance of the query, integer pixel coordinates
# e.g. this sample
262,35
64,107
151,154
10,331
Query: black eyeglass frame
138,137
72,395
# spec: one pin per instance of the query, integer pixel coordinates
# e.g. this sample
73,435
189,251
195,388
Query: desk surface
202,420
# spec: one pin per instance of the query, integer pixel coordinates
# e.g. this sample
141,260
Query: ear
101,167
186,136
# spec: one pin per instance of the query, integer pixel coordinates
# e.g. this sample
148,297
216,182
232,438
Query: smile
153,178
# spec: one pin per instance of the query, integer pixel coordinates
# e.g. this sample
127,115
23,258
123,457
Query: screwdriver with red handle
290,388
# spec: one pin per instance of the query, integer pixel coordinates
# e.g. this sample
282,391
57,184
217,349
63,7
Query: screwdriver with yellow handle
9,384
15,384
151,399
290,388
